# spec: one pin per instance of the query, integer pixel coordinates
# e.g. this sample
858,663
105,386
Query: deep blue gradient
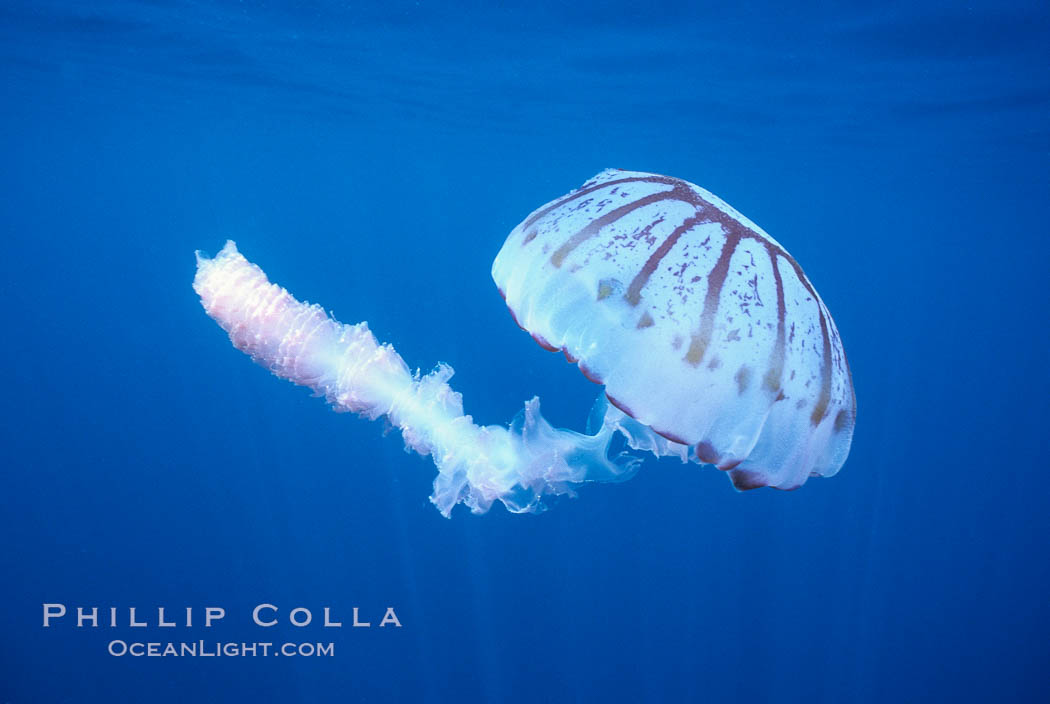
373,158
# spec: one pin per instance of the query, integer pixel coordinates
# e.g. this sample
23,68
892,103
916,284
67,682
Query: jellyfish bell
711,343
701,327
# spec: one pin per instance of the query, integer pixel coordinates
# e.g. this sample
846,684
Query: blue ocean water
372,157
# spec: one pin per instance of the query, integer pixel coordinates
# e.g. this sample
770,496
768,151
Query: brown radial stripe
852,393
743,379
776,360
531,220
715,280
852,413
594,226
821,408
634,291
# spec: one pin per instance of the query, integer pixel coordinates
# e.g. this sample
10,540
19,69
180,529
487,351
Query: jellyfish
710,342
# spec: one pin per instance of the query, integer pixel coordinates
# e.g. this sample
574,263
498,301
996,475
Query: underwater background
372,158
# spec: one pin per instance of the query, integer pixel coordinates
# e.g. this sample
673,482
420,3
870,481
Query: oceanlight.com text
212,649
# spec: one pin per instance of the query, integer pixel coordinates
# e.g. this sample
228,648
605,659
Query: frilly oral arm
354,372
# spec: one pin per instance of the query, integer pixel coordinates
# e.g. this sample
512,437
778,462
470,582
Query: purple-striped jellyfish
711,343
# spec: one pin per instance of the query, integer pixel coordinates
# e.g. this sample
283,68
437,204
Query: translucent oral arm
477,465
